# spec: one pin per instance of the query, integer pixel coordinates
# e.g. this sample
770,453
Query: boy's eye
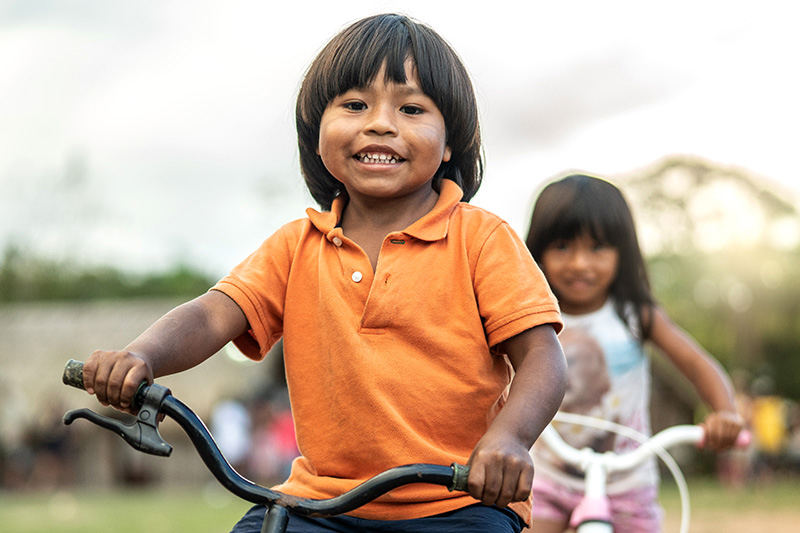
355,106
411,110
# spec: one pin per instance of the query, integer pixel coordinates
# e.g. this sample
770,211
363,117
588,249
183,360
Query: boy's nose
381,120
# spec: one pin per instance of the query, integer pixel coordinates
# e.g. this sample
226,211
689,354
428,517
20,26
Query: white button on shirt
337,241
357,276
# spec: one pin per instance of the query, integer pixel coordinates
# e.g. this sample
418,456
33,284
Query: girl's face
581,272
384,141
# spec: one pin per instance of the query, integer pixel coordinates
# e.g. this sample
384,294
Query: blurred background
147,147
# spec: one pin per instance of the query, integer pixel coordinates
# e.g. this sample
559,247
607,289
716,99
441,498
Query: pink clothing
634,511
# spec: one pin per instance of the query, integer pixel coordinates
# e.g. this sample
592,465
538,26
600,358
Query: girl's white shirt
625,399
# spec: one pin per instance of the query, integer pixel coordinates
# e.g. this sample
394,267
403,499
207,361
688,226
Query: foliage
725,262
724,303
25,277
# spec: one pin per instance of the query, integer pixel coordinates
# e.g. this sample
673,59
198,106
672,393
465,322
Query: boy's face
384,141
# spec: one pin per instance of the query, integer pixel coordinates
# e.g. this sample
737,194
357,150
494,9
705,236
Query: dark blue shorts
476,518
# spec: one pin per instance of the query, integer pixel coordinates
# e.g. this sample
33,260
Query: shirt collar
431,227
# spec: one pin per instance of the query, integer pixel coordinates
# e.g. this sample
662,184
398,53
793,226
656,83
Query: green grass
707,494
209,509
755,508
155,511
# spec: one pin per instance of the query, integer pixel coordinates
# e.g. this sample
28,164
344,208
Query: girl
401,312
583,236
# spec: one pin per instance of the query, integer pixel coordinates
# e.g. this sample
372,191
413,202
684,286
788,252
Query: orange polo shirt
391,367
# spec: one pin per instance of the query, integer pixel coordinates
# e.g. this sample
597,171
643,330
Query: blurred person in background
583,236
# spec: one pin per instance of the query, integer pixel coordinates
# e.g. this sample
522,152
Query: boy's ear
446,155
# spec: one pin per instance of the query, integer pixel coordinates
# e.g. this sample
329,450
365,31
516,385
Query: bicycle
156,401
593,514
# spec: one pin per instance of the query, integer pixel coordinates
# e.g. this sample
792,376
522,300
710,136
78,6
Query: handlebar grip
460,477
73,374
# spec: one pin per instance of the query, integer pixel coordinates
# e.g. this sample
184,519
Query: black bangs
567,229
361,55
595,216
576,205
391,40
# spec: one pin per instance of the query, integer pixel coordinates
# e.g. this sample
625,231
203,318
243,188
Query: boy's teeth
377,158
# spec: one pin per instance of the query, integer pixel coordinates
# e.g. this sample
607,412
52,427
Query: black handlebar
153,401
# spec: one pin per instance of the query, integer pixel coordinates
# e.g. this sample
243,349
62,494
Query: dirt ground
783,521
756,508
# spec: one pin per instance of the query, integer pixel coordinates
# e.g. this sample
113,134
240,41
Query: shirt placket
356,270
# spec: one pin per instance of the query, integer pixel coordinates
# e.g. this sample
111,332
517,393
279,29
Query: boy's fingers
516,486
475,481
104,377
129,389
115,383
502,479
493,488
88,377
524,485
507,492
101,382
501,487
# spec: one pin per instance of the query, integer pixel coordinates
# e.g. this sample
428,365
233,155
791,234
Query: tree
723,248
28,277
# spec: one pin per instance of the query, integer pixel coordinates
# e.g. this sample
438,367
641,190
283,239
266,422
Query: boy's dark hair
353,58
578,204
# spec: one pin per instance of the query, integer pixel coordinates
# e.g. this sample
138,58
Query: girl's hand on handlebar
115,376
721,430
501,471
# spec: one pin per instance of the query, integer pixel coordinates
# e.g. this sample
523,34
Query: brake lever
143,433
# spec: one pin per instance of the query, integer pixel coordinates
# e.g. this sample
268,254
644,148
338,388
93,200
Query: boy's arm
501,470
181,339
706,375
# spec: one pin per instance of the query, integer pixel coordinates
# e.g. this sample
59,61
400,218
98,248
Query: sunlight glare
726,215
784,234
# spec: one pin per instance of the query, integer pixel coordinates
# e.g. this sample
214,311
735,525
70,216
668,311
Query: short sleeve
258,286
513,294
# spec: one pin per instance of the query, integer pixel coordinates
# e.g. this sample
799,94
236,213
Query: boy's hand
115,376
501,471
722,428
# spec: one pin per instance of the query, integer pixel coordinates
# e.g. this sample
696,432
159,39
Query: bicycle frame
593,514
153,401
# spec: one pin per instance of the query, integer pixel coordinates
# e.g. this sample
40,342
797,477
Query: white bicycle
593,514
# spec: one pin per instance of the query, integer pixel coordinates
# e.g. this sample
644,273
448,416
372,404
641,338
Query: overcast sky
144,133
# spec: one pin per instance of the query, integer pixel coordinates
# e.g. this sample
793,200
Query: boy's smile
379,158
384,141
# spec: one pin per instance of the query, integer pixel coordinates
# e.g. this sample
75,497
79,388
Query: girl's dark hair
353,58
580,204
